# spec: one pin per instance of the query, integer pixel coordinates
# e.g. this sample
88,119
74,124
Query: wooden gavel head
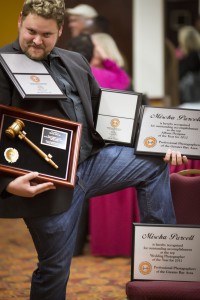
15,128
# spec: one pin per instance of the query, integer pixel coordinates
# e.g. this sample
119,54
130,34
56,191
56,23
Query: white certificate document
118,104
163,252
20,63
169,128
116,116
38,84
115,129
31,78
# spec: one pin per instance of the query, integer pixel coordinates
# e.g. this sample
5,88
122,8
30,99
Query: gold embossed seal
11,155
150,142
145,268
115,122
35,78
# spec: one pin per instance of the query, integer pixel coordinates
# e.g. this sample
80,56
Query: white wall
148,44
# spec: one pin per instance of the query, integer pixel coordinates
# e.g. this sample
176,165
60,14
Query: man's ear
60,31
20,20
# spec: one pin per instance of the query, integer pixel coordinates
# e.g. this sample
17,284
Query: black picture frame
117,117
162,128
165,252
31,78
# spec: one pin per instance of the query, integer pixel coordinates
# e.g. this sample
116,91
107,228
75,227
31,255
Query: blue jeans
112,169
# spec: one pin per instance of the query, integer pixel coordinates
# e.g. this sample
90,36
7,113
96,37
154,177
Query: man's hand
175,158
25,186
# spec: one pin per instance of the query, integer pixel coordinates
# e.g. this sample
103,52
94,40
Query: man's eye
32,32
46,35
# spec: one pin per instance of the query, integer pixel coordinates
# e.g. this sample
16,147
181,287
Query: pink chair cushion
163,290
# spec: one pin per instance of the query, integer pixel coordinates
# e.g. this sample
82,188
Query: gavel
16,129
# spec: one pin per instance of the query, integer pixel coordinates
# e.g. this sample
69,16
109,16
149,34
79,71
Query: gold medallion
150,142
35,78
115,122
11,155
145,268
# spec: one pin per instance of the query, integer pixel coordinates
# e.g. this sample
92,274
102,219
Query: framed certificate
161,129
34,142
118,115
165,252
30,77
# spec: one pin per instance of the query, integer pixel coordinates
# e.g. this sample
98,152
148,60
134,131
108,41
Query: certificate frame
58,136
117,117
162,128
31,78
165,252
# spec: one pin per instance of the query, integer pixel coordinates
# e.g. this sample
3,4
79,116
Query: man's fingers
25,186
43,187
175,158
30,176
185,159
167,157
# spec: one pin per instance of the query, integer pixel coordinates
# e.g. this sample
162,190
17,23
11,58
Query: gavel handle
37,149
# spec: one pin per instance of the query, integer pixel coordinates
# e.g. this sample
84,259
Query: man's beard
33,56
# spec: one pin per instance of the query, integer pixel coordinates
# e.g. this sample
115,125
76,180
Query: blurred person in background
80,18
82,44
108,64
189,41
189,64
106,61
85,19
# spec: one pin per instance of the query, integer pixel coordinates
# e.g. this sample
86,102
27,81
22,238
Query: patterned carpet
92,278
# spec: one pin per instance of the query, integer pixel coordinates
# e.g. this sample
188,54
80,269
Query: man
81,19
52,213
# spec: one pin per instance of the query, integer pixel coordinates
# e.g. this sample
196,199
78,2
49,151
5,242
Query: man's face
76,25
37,36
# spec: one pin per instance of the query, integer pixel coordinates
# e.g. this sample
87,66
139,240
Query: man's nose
37,40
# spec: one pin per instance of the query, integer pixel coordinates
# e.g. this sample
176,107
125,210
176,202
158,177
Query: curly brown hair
51,9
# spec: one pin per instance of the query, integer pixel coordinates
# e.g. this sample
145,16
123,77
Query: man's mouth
36,47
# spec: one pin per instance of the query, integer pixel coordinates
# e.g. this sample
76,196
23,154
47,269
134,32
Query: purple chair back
186,198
